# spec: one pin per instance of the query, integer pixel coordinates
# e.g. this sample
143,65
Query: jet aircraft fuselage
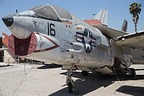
53,35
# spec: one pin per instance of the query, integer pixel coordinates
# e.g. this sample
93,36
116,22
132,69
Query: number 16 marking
51,30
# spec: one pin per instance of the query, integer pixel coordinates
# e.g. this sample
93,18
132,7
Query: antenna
16,10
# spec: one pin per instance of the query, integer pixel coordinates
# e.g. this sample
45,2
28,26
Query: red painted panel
5,39
92,22
22,47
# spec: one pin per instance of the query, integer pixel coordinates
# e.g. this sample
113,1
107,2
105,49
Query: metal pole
8,61
24,68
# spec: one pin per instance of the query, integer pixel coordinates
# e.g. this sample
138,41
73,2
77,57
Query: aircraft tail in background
124,26
102,16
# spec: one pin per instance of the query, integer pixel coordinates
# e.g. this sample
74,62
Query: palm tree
135,9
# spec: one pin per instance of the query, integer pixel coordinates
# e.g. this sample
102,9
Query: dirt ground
50,80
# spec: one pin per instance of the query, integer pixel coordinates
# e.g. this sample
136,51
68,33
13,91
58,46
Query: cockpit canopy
51,12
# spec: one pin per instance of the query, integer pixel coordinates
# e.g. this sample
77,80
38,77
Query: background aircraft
53,35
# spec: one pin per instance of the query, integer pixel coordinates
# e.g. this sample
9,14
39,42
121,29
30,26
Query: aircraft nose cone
8,20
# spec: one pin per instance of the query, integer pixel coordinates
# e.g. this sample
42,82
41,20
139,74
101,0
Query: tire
133,73
85,73
70,88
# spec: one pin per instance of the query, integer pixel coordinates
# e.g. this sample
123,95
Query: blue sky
118,10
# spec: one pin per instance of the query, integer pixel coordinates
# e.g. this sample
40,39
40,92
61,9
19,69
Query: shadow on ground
92,82
6,65
85,84
49,66
131,90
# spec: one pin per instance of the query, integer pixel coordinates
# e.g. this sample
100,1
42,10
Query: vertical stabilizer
102,16
124,26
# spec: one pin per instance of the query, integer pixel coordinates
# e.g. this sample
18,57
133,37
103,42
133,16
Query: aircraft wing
135,40
121,38
109,32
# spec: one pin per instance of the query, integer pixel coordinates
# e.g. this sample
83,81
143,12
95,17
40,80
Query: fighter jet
53,35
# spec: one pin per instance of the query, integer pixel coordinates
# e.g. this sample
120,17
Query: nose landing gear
70,81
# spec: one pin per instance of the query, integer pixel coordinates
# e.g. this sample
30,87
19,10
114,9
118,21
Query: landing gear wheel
84,73
70,88
133,73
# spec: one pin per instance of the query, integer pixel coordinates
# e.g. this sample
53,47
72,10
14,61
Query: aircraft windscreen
63,13
45,12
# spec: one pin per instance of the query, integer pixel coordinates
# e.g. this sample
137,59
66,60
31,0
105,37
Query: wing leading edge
135,40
